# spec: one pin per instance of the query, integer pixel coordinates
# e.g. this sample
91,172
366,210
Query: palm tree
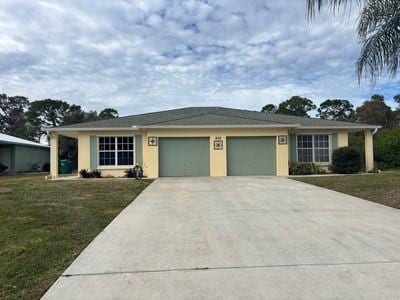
378,31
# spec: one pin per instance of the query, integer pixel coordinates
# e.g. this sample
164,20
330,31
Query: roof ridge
129,116
181,118
316,118
248,118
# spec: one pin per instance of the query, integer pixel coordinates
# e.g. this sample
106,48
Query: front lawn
44,225
383,188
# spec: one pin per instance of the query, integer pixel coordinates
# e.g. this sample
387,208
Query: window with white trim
313,148
116,150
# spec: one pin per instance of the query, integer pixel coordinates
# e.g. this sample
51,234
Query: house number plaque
218,143
152,141
282,139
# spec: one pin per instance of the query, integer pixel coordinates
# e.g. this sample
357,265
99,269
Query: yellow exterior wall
84,151
218,161
369,150
343,139
218,158
54,155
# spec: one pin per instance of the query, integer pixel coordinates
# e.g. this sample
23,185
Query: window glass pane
106,158
322,155
321,148
125,158
305,155
304,148
116,150
106,151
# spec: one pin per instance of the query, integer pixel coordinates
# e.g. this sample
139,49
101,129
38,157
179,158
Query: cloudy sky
147,55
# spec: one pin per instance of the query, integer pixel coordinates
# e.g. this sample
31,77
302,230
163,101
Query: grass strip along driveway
382,188
44,225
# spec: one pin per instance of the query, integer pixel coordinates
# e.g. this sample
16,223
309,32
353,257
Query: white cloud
150,55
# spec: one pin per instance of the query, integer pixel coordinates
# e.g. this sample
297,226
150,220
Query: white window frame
313,148
116,166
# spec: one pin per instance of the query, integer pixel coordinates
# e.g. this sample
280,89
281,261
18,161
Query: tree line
25,119
373,111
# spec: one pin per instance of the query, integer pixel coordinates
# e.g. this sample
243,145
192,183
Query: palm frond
313,6
379,32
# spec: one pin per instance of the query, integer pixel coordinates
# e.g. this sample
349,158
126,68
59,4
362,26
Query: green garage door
251,156
184,157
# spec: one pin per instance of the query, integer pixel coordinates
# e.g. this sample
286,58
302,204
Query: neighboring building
21,155
207,141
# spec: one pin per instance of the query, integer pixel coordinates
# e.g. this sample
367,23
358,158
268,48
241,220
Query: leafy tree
269,108
397,111
12,116
108,113
378,32
397,99
378,98
375,111
48,112
387,148
296,106
45,113
75,114
336,109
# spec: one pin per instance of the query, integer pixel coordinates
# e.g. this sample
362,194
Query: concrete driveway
240,237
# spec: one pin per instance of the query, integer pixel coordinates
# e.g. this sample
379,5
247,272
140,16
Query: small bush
346,160
305,169
96,174
90,174
46,167
136,172
84,173
35,168
130,173
2,168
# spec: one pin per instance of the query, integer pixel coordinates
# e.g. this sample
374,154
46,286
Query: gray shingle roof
212,116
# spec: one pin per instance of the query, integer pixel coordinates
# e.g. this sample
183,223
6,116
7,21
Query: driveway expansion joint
233,268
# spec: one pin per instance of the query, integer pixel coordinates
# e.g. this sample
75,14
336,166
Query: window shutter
138,150
93,152
334,141
293,147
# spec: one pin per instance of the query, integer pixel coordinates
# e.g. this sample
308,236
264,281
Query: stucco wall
218,166
84,150
338,138
218,158
369,150
343,139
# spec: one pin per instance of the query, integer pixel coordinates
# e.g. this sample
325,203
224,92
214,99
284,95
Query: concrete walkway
240,238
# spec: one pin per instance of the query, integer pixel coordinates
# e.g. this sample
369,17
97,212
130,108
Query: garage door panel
248,156
184,157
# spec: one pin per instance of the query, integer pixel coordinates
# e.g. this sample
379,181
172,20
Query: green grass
383,188
44,225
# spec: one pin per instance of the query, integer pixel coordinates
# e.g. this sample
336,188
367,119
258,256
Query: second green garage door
248,156
184,157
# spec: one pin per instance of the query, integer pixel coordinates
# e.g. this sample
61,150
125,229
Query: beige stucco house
207,141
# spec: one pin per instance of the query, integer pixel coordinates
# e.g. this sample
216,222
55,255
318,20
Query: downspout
375,131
